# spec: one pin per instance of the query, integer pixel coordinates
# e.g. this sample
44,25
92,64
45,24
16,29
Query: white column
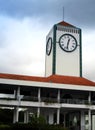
38,111
64,119
93,122
39,99
58,96
58,115
39,94
14,93
17,94
26,117
51,118
89,111
50,114
16,115
89,119
82,120
89,98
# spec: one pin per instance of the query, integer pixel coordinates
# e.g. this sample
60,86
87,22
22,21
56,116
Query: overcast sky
24,25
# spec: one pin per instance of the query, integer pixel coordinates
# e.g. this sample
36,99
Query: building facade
63,96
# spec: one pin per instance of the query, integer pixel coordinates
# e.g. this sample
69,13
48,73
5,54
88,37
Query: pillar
58,96
50,114
39,94
39,99
58,115
82,120
17,94
64,119
15,114
51,121
38,111
89,119
89,98
26,117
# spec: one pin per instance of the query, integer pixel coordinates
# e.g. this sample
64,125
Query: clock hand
68,43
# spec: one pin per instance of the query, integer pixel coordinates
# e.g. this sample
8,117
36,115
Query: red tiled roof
52,79
65,24
71,80
22,77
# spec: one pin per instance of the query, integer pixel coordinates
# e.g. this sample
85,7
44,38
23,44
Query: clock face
68,42
49,46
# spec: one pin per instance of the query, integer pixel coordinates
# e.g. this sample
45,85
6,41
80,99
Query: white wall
49,59
67,63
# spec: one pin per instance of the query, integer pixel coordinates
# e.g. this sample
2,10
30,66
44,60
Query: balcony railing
54,100
30,98
51,100
74,101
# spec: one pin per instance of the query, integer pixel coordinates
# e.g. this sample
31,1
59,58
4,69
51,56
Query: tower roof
65,24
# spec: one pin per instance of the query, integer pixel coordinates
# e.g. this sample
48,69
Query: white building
63,96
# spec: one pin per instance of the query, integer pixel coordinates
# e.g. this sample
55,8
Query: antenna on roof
63,13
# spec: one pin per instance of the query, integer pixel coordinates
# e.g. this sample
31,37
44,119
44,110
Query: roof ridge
66,24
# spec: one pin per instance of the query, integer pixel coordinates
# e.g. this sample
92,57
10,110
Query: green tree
38,120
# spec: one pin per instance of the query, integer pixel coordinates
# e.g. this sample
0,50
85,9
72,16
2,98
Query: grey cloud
24,8
2,41
82,12
17,8
79,12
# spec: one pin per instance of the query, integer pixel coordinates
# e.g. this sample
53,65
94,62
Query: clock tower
63,50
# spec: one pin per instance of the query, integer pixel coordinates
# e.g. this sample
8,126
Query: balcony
49,100
54,100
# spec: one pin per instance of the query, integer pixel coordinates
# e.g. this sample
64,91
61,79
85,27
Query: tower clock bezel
49,46
65,40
